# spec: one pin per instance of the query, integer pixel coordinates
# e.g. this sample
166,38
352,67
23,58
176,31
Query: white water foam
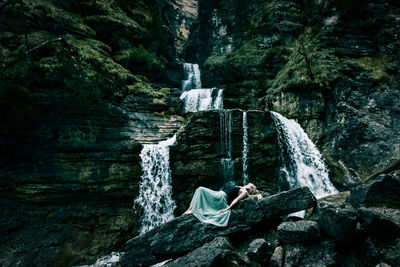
301,162
196,98
202,99
192,75
155,191
245,151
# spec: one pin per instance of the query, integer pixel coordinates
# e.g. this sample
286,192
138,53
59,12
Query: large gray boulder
318,254
381,223
383,191
288,202
187,233
218,252
277,257
259,250
300,231
336,221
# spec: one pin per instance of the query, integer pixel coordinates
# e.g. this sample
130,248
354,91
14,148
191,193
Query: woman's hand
224,210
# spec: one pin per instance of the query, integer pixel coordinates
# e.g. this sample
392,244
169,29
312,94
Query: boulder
215,253
288,202
381,223
300,231
336,221
186,233
368,250
277,257
384,191
390,253
258,251
319,254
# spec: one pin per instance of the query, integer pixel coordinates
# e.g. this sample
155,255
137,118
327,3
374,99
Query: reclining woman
212,207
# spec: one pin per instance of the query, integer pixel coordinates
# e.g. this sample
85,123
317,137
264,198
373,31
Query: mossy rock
117,29
96,52
325,67
141,61
41,14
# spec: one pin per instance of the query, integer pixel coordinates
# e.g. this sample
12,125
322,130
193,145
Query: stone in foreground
336,221
383,191
186,233
300,231
216,253
288,202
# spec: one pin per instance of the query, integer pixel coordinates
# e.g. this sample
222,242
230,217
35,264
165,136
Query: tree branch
59,39
308,63
387,169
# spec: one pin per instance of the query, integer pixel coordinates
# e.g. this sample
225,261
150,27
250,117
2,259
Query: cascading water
202,99
155,188
196,98
226,145
301,162
192,75
245,152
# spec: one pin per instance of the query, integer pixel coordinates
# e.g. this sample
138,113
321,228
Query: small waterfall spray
245,152
301,162
192,75
155,188
196,98
226,145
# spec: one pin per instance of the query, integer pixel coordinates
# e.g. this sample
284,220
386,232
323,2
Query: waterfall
192,75
196,98
226,145
301,162
202,99
245,152
155,188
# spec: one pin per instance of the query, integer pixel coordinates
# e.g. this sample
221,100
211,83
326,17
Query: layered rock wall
195,159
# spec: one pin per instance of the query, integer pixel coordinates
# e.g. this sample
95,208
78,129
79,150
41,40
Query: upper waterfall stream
196,98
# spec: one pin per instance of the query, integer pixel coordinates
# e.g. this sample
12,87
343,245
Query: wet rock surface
301,231
335,234
337,221
186,233
370,194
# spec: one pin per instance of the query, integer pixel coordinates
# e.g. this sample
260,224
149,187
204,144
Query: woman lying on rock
211,206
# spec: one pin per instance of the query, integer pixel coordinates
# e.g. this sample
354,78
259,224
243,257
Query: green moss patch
325,67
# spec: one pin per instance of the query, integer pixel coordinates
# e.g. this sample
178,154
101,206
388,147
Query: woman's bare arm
242,195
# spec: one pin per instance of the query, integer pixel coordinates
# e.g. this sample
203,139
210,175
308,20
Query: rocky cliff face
82,86
331,65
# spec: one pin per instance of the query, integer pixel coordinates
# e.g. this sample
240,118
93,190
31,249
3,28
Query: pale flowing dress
207,205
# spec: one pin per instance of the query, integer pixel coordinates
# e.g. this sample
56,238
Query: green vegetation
325,67
67,78
375,66
140,61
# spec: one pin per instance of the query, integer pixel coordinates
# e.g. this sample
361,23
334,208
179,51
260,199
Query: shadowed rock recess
85,84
